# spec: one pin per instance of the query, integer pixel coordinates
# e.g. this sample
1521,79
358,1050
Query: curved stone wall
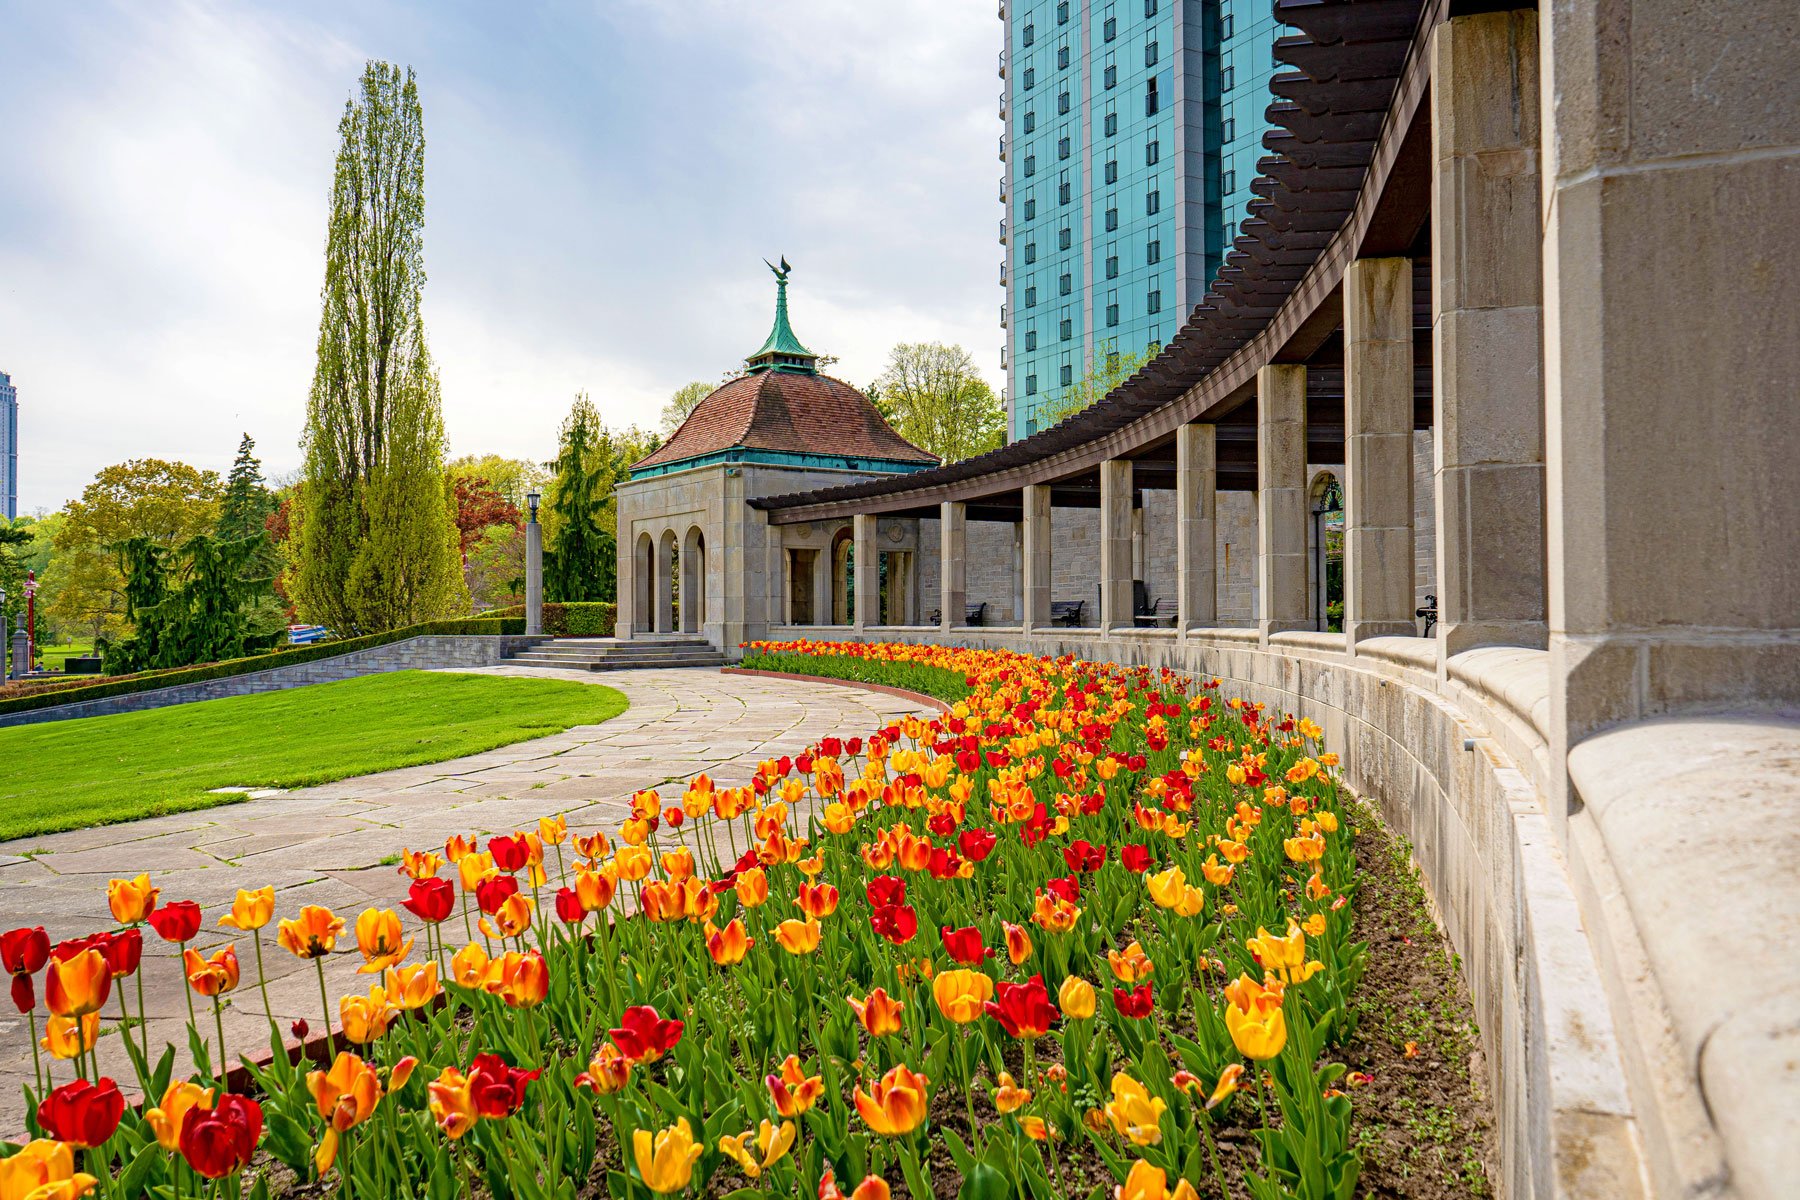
1455,768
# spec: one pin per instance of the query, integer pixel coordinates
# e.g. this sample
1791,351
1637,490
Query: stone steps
611,654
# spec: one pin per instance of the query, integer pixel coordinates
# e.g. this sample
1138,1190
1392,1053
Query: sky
603,181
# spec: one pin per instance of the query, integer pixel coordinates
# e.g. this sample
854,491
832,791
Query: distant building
1131,133
9,447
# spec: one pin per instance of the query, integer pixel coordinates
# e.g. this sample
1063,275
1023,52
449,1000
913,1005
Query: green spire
782,351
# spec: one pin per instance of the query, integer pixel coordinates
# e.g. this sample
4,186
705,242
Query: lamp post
534,569
21,642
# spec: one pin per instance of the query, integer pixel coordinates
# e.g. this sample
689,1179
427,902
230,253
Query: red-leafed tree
478,505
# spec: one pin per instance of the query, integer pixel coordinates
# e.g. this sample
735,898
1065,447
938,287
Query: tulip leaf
980,1183
965,1161
132,1180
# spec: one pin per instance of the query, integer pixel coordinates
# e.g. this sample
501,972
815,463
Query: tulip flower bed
1088,934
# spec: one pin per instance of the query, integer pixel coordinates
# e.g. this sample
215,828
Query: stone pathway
324,845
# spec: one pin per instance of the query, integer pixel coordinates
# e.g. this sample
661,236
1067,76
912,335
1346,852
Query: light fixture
532,498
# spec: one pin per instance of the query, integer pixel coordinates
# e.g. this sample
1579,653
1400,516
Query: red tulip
498,1087
23,952
964,945
1068,887
219,1141
1136,858
1084,855
124,950
1023,1009
510,853
177,922
643,1036
976,844
430,899
886,889
299,1028
82,1114
1137,1003
944,863
490,894
568,906
895,922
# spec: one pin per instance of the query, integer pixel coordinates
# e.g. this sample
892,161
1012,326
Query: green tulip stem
325,1005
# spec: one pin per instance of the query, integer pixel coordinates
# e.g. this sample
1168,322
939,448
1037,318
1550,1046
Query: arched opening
643,598
1326,533
692,590
843,582
668,553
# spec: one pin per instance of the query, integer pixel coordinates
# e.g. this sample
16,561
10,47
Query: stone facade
427,653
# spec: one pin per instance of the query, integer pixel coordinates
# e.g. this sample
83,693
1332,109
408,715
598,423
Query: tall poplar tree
582,564
377,543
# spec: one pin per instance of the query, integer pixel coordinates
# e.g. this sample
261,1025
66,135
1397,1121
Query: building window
1031,339
1112,266
1062,58
1030,34
1029,78
1030,121
1109,78
1066,329
1062,13
1112,171
1228,183
1063,237
1228,129
1112,360
1031,297
1066,284
1062,103
1031,164
1152,152
1153,252
1062,148
1150,55
1063,193
1153,202
1227,78
1068,374
1149,8
1152,103
1030,209
1112,315
1110,30
1030,252
1112,124
1112,219
1227,27
1154,304
1031,385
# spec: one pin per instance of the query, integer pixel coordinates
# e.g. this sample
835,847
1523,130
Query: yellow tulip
665,1160
469,966
1146,1182
896,1104
366,1018
71,1037
251,910
1076,998
771,1143
381,939
961,993
1258,1034
313,934
131,900
752,887
552,830
452,1102
1285,957
414,986
798,937
43,1170
1135,1114
1008,1095
177,1100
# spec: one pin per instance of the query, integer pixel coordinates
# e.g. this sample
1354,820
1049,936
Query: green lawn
97,770
51,657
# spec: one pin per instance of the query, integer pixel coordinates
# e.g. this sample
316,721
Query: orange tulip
607,1071
251,910
131,900
43,1170
633,862
798,937
345,1096
678,863
594,889
366,1018
728,946
1132,965
71,1037
752,887
211,976
1018,942
961,993
879,1014
818,900
469,966
77,985
896,1104
452,1101
592,847
380,938
420,864
414,986
794,1091
459,847
511,920
552,830
313,934
178,1100
522,980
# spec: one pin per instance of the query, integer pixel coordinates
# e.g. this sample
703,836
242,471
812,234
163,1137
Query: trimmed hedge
596,618
289,656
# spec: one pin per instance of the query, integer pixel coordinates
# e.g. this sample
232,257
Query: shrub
586,619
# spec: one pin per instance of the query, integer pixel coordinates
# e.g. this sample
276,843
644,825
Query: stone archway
1325,546
643,570
693,581
667,598
843,547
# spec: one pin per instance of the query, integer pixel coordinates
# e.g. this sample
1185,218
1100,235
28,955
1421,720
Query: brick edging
917,697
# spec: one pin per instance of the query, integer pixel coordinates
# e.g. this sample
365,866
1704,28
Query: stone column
821,585
534,573
1378,451
1281,511
1671,277
953,572
1196,530
1036,503
1115,544
865,600
662,599
1487,319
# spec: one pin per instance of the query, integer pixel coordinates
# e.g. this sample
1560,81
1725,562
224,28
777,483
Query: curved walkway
324,845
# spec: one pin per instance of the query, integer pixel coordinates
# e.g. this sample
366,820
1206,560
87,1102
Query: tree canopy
1110,368
936,399
686,398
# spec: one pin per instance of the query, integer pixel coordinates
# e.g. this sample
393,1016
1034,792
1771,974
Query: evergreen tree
190,605
582,564
244,509
376,539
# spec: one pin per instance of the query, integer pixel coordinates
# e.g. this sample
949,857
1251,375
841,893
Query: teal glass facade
1132,133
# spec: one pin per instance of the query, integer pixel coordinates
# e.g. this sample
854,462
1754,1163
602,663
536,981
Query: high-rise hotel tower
1132,130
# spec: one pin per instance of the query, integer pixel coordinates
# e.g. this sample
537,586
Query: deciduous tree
1110,368
686,398
377,542
937,400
